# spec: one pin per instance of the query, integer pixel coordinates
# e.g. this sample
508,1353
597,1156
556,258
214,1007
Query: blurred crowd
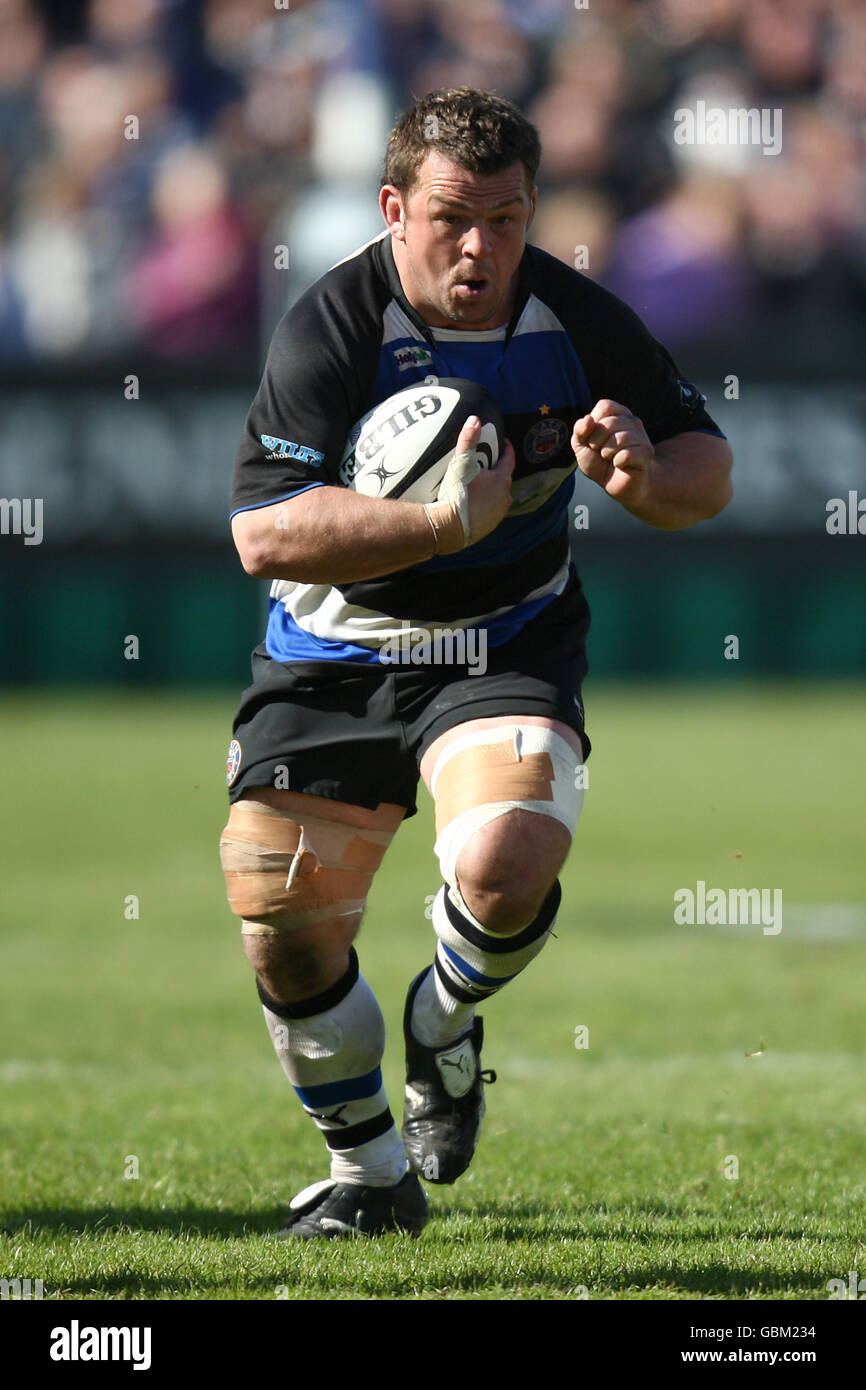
154,153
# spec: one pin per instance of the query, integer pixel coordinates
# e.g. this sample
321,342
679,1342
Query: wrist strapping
447,526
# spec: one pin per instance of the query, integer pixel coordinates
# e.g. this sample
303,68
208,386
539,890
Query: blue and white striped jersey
353,340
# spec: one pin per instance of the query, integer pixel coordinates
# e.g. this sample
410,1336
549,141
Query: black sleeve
640,373
309,397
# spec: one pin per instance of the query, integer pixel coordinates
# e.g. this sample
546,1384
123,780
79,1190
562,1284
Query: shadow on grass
187,1220
301,1282
502,1221
486,1225
537,1221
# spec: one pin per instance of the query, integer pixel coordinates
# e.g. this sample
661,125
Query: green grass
600,1169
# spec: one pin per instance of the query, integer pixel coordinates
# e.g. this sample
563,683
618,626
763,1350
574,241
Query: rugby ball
403,446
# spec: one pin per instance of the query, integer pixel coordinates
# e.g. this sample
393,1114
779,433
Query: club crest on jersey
544,439
233,762
287,449
690,396
407,357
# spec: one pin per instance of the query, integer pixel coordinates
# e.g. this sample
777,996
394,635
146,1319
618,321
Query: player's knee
282,966
507,804
287,869
506,870
289,968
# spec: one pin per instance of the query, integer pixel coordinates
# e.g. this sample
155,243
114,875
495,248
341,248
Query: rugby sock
471,964
330,1047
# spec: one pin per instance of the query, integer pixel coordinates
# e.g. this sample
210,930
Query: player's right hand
476,497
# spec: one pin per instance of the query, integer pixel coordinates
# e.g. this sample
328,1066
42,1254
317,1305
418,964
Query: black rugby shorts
357,732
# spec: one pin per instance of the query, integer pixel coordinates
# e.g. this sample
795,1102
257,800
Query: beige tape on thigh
486,774
289,870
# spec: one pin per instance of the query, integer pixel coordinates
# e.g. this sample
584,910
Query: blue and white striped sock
330,1048
471,964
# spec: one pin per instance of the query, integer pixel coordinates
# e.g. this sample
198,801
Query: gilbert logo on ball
402,448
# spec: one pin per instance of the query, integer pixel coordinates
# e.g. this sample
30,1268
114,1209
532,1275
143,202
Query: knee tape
287,870
490,772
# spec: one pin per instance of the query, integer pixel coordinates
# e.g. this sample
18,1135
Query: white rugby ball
403,446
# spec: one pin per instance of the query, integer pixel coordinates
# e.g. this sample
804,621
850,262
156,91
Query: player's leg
298,869
330,850
508,797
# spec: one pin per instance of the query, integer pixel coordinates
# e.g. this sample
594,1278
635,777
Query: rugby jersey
353,340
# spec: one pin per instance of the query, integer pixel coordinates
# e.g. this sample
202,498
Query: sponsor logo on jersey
544,439
287,449
407,357
233,762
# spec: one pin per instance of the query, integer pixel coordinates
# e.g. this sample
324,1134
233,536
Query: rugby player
330,739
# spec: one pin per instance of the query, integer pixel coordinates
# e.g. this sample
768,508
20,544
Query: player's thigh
298,869
507,798
431,756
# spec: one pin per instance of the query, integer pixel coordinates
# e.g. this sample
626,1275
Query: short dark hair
477,130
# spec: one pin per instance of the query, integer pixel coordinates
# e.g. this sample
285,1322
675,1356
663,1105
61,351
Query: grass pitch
706,1143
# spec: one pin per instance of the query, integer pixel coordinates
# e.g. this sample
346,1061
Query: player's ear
533,198
391,204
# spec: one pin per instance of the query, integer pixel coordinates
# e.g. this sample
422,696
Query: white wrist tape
449,514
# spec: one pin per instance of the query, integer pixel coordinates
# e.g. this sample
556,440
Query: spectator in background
478,46
116,28
679,264
14,342
577,227
192,291
50,267
23,49
282,107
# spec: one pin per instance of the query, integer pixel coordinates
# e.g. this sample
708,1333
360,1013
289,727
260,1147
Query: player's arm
672,484
332,535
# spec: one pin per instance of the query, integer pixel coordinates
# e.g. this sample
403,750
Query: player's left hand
612,448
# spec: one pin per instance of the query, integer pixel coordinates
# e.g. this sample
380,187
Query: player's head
458,196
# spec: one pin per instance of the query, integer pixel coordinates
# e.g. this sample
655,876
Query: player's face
458,238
